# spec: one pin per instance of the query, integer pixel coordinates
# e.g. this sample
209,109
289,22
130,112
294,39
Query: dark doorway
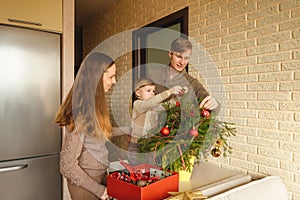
152,42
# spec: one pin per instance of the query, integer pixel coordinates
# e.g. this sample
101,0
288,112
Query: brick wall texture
255,46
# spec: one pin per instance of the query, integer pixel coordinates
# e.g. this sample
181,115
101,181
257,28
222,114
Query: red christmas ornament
194,132
177,103
165,131
219,142
205,113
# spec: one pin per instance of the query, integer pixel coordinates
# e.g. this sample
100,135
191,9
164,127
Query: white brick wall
255,45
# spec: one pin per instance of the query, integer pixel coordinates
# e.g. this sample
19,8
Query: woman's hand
209,103
105,195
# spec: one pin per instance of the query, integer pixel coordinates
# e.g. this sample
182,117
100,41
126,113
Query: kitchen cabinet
37,14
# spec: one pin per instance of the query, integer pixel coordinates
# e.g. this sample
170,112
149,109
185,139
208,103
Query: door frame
139,38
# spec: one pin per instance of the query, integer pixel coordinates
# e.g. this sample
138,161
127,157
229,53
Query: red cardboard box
158,190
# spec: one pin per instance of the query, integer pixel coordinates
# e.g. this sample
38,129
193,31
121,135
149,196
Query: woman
84,113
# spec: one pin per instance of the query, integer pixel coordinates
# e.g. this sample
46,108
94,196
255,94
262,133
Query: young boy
144,115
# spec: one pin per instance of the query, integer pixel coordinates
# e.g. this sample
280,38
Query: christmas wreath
184,131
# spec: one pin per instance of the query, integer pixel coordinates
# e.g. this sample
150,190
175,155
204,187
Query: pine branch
173,152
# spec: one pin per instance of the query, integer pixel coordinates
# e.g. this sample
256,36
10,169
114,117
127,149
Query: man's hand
209,103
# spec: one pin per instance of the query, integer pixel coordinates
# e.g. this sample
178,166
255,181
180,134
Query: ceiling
87,9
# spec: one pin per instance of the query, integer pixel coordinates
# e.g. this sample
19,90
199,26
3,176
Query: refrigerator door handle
13,168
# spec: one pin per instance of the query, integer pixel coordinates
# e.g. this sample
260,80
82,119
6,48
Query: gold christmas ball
216,152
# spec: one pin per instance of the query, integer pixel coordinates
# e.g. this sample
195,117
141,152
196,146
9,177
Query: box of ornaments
141,182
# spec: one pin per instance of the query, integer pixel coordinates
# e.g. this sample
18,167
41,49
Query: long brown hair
85,105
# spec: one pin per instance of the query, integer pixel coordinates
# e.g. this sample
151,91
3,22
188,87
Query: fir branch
173,152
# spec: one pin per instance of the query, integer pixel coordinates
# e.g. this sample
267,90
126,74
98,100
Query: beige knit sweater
144,113
79,164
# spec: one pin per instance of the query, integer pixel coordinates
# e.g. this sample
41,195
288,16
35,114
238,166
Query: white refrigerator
30,94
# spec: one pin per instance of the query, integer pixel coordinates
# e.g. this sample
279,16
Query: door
152,43
31,179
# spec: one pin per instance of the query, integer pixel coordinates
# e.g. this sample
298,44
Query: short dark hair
180,45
